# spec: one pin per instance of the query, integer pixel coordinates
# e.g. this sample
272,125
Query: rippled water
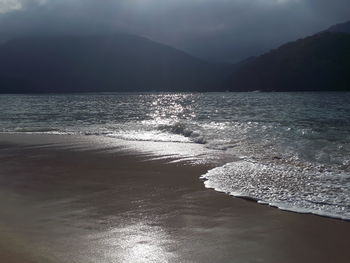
290,150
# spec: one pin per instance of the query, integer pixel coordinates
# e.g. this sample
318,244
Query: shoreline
64,200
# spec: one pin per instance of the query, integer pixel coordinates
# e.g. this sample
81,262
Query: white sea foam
292,186
184,130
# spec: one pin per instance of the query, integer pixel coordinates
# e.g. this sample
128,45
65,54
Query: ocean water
289,150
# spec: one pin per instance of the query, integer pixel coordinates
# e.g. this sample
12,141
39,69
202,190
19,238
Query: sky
216,30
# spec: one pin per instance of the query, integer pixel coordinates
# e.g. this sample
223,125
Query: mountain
343,28
317,63
118,62
122,62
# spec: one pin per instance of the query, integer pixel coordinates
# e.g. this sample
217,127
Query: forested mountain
122,62
101,63
343,27
316,63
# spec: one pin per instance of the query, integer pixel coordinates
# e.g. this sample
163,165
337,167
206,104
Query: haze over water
290,150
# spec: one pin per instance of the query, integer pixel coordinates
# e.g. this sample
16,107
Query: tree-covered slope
101,63
317,63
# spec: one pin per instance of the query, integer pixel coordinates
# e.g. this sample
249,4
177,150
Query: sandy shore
65,201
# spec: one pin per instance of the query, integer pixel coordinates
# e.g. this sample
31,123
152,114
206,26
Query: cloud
217,29
9,6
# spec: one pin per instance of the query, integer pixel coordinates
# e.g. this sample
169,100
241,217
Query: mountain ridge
119,62
320,62
126,63
340,28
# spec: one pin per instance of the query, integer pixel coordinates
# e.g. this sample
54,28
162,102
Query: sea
286,150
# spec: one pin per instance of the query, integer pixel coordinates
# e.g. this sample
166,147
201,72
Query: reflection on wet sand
65,205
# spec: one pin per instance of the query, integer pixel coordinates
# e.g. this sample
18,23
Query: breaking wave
288,185
182,129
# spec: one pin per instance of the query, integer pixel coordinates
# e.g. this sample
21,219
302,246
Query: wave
181,128
43,132
285,184
34,130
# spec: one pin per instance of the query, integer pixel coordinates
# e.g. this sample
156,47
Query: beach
63,200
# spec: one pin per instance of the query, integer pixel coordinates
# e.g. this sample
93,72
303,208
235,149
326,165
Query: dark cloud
216,29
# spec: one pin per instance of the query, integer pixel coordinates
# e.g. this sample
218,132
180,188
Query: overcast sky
222,30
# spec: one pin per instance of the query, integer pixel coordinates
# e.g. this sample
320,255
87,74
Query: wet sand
63,200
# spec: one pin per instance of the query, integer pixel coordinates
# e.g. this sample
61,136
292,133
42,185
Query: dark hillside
317,63
101,63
